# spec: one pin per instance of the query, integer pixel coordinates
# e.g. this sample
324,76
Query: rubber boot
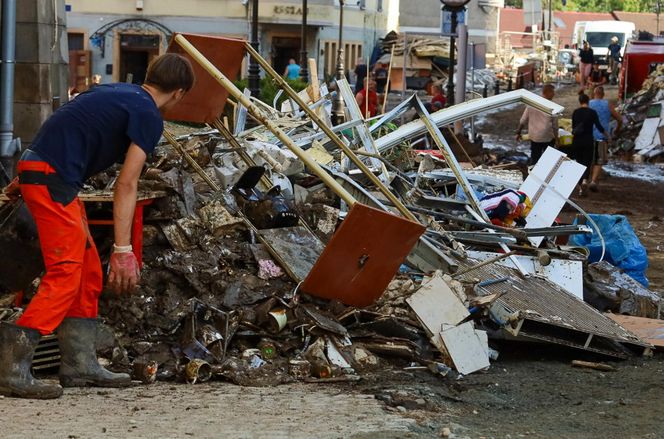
79,366
17,347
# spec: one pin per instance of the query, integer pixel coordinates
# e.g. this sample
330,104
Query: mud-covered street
531,392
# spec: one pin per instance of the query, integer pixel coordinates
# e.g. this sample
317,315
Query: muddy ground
531,391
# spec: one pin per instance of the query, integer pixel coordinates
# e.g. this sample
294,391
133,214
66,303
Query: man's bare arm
124,197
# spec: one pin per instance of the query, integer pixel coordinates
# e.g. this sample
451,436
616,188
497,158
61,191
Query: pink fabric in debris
268,269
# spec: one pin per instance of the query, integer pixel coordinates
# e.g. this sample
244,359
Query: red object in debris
432,152
136,226
362,257
636,66
205,102
18,299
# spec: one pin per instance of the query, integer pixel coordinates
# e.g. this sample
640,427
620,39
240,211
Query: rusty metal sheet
205,102
362,257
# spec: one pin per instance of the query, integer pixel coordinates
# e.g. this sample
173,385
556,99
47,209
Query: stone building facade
118,38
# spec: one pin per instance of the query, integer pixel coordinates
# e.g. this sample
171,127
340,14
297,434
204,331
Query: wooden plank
650,330
107,196
313,75
435,304
593,365
362,256
465,348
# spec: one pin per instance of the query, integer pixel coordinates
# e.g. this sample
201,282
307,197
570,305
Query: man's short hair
170,72
599,91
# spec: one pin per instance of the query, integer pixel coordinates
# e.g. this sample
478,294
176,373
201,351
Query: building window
76,41
352,51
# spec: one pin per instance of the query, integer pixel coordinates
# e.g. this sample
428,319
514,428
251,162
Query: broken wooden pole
262,118
387,84
321,124
592,365
484,263
196,167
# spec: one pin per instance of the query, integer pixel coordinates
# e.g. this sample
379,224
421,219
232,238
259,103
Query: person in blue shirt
102,126
605,111
292,71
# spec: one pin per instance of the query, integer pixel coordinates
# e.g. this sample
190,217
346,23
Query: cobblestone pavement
206,410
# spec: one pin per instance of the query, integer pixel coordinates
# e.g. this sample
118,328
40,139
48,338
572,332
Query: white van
599,33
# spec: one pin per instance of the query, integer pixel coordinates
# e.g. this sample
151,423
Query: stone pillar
42,59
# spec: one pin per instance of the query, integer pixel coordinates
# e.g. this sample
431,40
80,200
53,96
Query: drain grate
47,354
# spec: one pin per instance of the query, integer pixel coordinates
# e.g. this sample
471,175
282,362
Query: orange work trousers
73,280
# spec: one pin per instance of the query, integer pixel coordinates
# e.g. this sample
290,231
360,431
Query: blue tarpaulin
623,247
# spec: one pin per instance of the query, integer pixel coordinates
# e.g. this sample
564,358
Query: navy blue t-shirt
94,130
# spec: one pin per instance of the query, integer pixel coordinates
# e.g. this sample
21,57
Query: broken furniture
375,217
142,199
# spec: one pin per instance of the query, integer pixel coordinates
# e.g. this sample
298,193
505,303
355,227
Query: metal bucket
19,242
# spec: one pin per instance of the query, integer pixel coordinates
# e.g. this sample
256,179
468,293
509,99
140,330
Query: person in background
614,59
584,120
586,63
380,75
542,128
438,96
96,80
596,78
360,73
605,111
292,71
368,101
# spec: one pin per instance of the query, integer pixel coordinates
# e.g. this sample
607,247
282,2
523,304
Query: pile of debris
644,114
319,254
426,59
